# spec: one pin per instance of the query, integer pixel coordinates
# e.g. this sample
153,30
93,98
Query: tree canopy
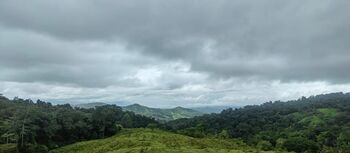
40,126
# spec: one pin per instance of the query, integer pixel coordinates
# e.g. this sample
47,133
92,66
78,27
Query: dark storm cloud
269,39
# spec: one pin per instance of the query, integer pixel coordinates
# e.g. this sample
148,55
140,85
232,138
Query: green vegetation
39,127
156,141
8,148
212,109
315,124
162,114
318,124
156,113
317,117
90,105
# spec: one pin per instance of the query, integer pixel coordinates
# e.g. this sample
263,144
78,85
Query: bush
300,144
264,145
32,148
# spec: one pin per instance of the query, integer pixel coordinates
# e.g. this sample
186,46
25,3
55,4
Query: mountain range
90,105
212,109
317,124
156,113
163,114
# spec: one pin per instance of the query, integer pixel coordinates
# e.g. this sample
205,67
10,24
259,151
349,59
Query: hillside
162,114
158,113
39,126
155,141
316,124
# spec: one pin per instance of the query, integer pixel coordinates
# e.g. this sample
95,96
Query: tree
152,126
264,145
343,141
300,144
39,127
224,134
126,120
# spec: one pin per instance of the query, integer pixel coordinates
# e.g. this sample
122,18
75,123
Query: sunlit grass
156,141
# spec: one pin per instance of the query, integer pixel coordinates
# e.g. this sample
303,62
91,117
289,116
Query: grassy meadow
156,141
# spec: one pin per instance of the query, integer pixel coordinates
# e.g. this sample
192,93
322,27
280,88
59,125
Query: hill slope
155,141
48,126
316,124
162,114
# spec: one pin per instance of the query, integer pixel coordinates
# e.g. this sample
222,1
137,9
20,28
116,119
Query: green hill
8,148
40,126
157,113
314,124
156,141
162,114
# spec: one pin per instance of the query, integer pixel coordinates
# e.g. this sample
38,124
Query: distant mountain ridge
157,113
212,109
163,114
90,105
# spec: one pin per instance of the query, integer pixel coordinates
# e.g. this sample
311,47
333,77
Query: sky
173,53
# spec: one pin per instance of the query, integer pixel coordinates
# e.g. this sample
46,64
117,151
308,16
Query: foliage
8,148
318,124
264,145
90,105
313,124
163,114
300,144
157,141
38,127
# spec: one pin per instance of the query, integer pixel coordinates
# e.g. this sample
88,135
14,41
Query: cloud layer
168,53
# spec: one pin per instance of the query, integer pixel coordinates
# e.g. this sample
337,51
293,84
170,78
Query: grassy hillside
317,118
156,141
162,114
8,148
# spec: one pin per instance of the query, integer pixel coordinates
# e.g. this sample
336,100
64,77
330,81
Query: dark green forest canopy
311,124
40,126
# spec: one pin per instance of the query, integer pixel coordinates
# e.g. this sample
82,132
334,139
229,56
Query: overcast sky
166,53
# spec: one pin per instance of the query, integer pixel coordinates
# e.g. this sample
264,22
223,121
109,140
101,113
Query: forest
39,126
317,124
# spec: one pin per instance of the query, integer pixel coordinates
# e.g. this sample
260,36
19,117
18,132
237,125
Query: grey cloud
302,35
31,57
174,51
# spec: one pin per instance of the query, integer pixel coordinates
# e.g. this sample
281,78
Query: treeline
315,124
40,126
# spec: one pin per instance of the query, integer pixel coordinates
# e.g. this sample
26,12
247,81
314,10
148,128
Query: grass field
8,148
156,141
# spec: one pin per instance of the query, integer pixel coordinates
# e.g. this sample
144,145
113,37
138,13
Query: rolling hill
157,113
315,124
156,141
163,114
